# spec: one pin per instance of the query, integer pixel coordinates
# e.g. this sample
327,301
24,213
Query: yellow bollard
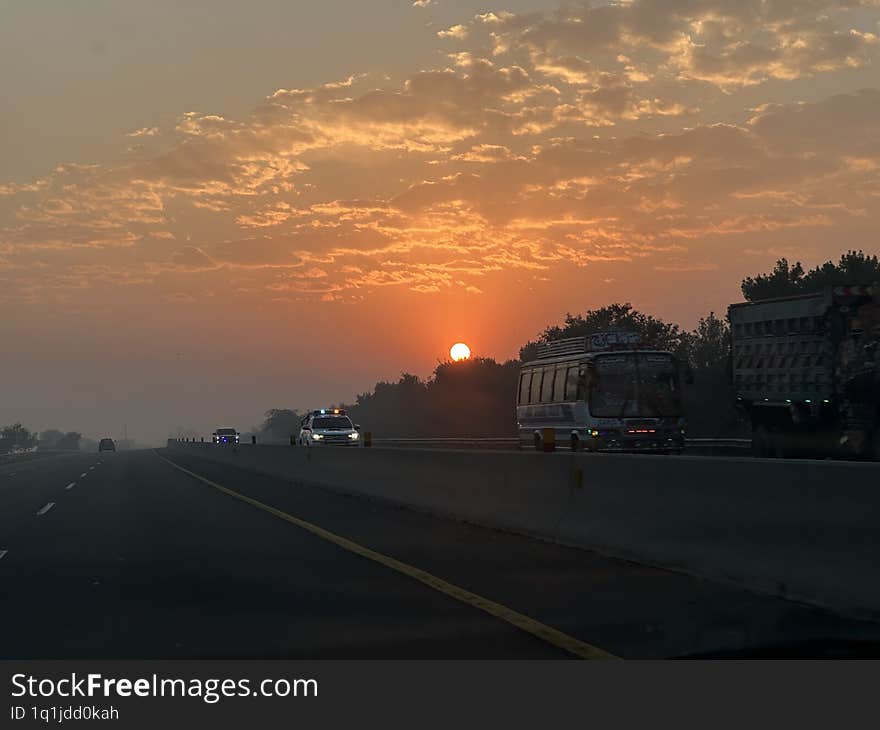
292,440
368,439
549,439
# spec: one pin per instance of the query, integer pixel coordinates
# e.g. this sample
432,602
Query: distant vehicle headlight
353,435
317,436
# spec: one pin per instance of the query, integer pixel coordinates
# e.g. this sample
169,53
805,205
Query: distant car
226,436
328,427
106,445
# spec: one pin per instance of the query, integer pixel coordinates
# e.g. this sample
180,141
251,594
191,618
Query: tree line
17,437
476,397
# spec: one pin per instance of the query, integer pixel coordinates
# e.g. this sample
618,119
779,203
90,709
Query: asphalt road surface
124,556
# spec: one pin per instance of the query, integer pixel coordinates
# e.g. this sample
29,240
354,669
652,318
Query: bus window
535,388
559,387
525,385
571,384
547,385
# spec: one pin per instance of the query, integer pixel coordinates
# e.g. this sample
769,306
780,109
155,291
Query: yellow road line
521,621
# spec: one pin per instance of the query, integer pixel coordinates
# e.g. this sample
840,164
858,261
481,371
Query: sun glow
459,351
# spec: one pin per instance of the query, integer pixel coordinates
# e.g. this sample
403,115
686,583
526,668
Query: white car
328,427
226,436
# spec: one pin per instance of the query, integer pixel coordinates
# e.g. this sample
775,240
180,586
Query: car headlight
317,436
353,435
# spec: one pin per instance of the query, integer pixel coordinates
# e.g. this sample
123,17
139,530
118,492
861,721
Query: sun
459,351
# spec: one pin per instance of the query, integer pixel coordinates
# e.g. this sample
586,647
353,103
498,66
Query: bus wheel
777,445
575,443
761,442
539,444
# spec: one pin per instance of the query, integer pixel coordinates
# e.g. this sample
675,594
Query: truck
603,392
806,372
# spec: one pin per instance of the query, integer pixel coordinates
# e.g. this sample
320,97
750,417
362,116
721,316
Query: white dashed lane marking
3,554
81,476
70,486
45,508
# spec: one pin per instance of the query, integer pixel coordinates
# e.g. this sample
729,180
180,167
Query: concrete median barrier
806,530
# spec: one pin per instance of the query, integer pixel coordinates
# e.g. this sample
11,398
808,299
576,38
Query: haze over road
138,559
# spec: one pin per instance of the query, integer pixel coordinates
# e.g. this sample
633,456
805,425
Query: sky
210,209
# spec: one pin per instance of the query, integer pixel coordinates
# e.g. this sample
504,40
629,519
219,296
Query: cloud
587,136
458,32
725,43
192,258
144,132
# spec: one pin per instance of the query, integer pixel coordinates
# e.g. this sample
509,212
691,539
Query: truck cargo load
806,371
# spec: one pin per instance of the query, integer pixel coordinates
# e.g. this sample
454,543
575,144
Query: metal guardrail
484,442
511,441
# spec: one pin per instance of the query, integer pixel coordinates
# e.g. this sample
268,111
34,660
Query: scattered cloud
584,136
458,32
144,132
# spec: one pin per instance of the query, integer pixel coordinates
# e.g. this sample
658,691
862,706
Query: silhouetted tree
709,402
854,267
708,346
50,437
70,441
280,425
654,332
394,409
16,436
475,397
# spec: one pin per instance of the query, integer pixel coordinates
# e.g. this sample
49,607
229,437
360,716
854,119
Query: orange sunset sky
209,209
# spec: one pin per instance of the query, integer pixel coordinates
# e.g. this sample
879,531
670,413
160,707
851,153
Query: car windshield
226,432
635,385
332,423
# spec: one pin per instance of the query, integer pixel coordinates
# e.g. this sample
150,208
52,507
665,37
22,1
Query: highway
162,554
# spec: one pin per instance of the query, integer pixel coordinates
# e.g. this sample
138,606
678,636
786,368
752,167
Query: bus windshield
640,385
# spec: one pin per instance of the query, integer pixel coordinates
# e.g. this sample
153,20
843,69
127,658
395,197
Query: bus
602,392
